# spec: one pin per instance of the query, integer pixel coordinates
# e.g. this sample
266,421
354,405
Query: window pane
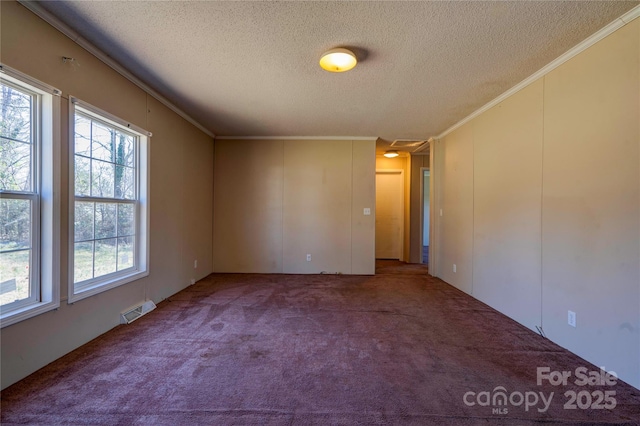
125,183
83,221
15,165
107,174
83,176
102,179
103,142
124,149
126,220
15,218
82,262
15,114
14,273
83,136
106,220
105,262
125,253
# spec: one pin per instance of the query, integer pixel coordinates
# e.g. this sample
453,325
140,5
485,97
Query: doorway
426,207
389,214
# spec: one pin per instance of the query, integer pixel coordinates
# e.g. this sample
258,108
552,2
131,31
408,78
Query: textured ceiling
251,68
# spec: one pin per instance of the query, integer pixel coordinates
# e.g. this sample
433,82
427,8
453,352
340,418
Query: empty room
310,212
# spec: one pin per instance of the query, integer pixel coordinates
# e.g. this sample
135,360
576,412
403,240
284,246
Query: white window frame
45,280
141,268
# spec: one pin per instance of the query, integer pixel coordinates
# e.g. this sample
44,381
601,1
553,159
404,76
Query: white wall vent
134,313
409,144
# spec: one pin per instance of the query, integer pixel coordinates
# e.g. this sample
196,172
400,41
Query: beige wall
404,164
591,203
363,228
278,200
248,197
507,189
541,200
181,162
455,243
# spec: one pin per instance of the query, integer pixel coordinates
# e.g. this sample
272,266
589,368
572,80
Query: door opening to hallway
426,205
389,214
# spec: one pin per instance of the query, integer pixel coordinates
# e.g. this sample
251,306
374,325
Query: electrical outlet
195,264
193,281
367,211
571,318
454,267
308,258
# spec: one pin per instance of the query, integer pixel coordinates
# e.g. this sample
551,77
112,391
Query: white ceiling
251,68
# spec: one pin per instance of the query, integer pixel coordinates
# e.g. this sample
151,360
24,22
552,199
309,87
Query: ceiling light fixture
338,60
391,154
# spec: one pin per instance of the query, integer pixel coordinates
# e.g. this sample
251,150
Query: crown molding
298,138
574,51
37,9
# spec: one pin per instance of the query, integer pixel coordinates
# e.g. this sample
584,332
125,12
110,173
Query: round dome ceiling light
391,153
338,60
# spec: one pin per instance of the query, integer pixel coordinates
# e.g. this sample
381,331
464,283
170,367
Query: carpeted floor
396,348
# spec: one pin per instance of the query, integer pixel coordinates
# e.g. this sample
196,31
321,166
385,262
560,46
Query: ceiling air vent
408,144
134,313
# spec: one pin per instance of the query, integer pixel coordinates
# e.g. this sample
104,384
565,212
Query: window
29,211
109,204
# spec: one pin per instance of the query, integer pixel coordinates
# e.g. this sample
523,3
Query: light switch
367,211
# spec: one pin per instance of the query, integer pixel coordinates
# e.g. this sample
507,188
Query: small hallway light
391,154
338,60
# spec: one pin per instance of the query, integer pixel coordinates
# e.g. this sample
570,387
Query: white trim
631,15
48,194
104,286
434,217
574,51
89,47
11,72
422,170
305,138
141,253
107,117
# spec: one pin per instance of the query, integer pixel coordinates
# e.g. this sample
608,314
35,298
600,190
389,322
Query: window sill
26,312
99,287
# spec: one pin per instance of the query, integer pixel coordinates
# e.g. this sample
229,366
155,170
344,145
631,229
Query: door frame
434,206
422,170
401,173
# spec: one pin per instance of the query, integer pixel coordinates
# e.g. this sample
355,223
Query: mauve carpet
396,348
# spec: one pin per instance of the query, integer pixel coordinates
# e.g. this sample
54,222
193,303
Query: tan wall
248,197
278,200
181,161
456,201
591,203
404,164
506,208
541,198
363,228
